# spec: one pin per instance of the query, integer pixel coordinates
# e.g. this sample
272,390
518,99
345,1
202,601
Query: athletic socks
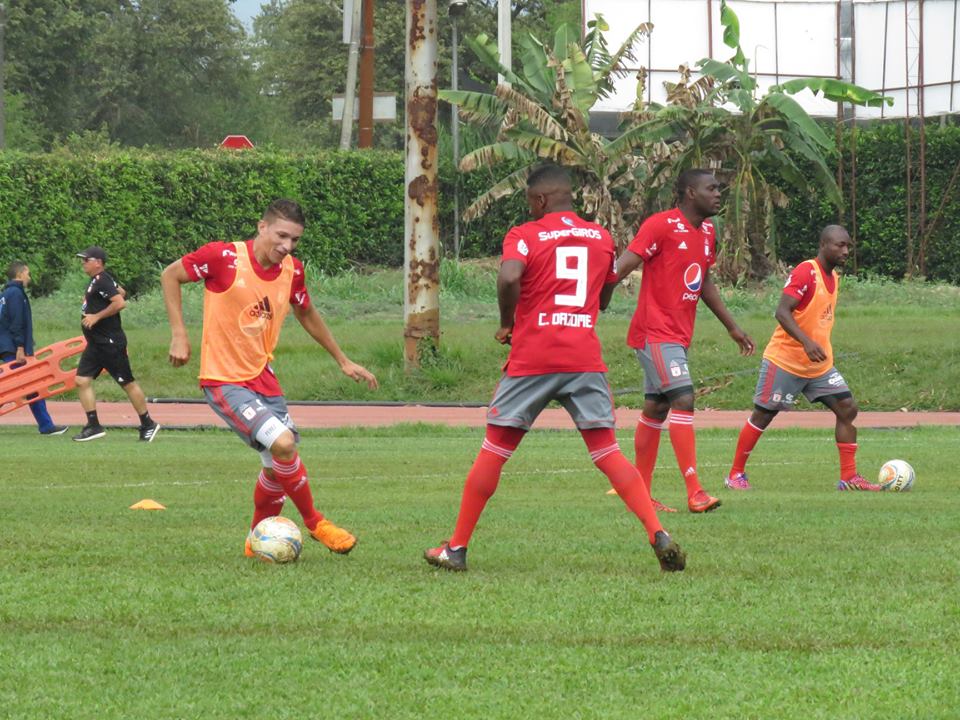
848,460
268,497
292,477
623,477
146,420
646,443
92,419
483,478
749,437
684,443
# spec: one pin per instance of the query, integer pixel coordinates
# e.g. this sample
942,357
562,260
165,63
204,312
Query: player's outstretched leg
845,408
482,481
291,475
626,481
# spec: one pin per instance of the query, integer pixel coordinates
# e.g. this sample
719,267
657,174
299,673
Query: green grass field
896,343
798,601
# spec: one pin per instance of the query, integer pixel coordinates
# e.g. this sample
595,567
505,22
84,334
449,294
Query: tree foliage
163,72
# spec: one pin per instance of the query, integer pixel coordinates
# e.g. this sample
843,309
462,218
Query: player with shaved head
677,250
556,274
799,359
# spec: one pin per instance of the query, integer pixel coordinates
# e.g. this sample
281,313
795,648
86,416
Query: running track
188,415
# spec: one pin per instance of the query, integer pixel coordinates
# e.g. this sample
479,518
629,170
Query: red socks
646,443
268,497
749,437
292,477
848,460
483,478
624,477
684,443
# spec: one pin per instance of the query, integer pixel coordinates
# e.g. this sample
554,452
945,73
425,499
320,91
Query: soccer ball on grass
897,475
276,540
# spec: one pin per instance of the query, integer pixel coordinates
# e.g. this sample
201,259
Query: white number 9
578,272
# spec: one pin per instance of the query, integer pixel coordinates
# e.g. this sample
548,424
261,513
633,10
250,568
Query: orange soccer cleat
247,550
700,502
335,538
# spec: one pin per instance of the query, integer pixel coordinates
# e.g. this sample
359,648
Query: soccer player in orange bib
799,359
677,249
248,289
556,274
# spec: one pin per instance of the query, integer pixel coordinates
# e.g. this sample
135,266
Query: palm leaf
546,147
482,108
493,154
790,109
615,65
836,90
507,186
731,33
487,52
531,112
534,60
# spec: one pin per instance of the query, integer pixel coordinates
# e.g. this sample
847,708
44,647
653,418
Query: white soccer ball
276,540
897,475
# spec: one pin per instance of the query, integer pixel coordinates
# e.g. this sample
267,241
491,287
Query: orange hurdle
39,376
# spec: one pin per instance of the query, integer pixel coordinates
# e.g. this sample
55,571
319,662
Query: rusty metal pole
365,132
421,252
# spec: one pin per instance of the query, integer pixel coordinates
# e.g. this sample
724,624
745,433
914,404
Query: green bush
881,205
147,208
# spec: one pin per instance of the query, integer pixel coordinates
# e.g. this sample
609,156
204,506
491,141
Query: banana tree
542,112
761,147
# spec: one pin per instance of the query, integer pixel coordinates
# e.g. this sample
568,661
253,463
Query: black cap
97,253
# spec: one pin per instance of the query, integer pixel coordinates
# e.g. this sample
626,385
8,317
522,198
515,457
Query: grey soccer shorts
517,401
778,389
665,369
258,419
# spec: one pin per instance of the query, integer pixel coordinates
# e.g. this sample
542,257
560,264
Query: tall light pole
457,9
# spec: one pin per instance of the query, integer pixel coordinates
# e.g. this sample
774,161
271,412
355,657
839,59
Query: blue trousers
37,407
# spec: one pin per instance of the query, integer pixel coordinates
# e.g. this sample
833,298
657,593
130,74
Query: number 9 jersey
567,262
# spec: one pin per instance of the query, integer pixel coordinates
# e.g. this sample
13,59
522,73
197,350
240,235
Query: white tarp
880,48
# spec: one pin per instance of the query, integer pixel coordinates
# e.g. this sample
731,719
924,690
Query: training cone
147,504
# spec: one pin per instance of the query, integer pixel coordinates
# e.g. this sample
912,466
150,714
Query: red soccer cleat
700,502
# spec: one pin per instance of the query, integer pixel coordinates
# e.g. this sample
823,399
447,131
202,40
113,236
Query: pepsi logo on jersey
693,280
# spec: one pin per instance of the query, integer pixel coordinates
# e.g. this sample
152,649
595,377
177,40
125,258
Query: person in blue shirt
16,335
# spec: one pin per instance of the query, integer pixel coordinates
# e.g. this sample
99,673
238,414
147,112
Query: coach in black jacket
16,335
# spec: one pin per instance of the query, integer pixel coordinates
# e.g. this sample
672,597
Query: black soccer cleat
671,557
447,558
90,432
149,432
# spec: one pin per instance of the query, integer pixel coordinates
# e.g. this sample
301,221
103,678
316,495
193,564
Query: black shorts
111,357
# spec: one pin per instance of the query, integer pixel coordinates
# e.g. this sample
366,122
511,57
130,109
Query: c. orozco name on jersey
565,319
576,232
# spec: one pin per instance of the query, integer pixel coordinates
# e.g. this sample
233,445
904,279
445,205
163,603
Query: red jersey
215,264
676,257
567,263
802,283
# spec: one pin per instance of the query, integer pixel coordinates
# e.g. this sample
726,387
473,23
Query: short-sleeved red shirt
676,258
802,283
567,262
215,264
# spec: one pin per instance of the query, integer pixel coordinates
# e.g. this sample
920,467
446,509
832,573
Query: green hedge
147,208
882,203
